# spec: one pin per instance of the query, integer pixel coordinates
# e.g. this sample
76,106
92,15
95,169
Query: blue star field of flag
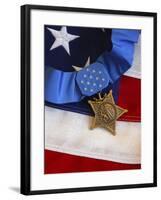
72,48
89,43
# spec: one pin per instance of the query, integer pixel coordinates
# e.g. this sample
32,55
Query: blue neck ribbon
67,87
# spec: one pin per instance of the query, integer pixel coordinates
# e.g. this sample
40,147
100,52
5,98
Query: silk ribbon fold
67,87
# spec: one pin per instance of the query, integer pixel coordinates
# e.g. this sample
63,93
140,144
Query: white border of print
40,181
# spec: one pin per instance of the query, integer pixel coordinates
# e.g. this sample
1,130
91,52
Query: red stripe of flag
130,98
56,162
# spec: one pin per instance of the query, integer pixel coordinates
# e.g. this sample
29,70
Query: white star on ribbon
62,38
79,68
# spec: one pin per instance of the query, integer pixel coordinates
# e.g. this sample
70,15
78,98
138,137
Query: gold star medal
106,112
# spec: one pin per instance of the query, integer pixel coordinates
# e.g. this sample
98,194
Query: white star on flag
86,64
62,38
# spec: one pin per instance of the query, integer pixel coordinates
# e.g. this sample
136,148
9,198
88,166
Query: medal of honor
106,112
